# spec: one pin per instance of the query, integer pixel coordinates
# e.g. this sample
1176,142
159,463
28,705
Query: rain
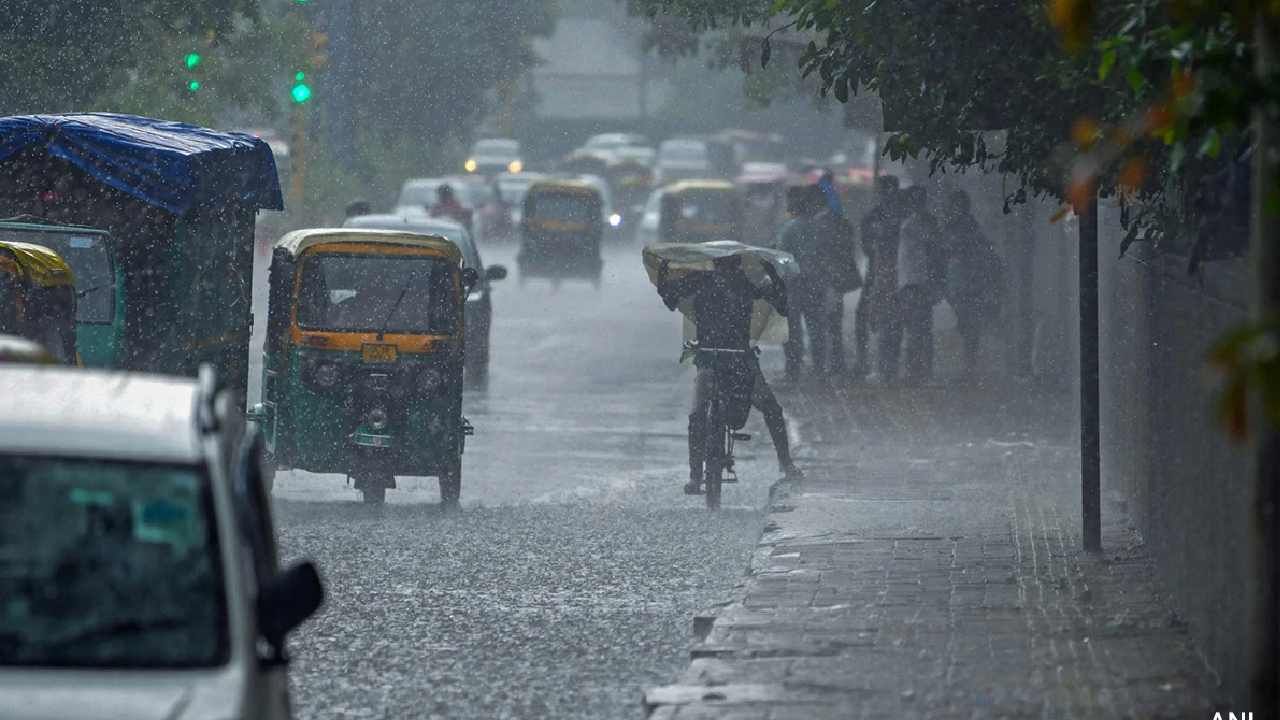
660,359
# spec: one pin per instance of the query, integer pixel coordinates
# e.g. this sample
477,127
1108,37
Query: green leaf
1108,62
1135,79
1211,146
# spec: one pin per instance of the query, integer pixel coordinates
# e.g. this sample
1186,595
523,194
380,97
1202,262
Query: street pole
1264,615
297,159
1090,432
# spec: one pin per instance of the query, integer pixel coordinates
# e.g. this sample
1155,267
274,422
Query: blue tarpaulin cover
170,165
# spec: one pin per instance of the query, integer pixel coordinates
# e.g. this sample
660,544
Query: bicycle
727,405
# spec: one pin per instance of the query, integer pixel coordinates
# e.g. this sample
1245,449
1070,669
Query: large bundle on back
767,326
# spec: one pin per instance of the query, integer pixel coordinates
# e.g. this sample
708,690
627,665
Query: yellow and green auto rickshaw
99,282
38,298
698,211
560,232
362,371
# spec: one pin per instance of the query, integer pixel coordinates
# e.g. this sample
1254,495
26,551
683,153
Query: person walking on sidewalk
975,277
921,266
722,303
879,233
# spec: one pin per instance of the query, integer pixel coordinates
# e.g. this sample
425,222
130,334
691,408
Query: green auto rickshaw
99,285
362,373
560,232
38,298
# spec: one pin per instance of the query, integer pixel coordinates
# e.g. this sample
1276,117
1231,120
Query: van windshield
108,564
377,293
90,262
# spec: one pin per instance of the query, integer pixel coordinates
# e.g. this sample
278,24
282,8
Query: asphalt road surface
568,581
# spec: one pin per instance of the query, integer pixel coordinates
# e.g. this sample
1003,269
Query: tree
67,55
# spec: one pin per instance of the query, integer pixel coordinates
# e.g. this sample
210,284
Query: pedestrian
879,233
975,277
843,272
807,237
921,267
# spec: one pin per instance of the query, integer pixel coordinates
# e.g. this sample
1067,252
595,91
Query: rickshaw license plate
372,353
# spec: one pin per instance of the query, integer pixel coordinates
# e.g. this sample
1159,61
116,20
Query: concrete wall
1184,482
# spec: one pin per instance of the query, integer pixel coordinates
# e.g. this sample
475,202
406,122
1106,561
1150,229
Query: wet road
568,581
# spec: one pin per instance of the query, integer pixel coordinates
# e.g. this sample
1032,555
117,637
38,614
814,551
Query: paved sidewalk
930,567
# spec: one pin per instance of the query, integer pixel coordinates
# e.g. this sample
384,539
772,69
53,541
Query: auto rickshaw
560,232
362,369
38,298
698,211
99,279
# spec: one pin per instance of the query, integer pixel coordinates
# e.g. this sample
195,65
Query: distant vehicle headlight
615,220
470,165
515,166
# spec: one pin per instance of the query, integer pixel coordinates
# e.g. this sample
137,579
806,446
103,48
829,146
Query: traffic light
191,61
301,91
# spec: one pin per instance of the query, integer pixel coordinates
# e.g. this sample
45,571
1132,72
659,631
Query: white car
137,557
681,160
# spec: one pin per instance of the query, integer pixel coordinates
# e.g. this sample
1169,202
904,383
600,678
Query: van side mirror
286,600
495,272
470,278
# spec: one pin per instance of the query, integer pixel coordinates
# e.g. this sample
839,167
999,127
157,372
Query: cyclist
722,301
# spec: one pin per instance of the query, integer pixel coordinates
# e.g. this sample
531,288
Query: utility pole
1090,431
1264,615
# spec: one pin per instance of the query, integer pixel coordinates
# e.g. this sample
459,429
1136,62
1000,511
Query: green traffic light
193,86
301,93
192,60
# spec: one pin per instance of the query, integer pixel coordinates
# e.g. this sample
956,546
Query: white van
138,574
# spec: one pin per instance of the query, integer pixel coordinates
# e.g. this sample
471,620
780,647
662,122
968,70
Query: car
512,188
478,309
642,154
494,155
138,563
682,159
647,233
612,216
608,144
418,196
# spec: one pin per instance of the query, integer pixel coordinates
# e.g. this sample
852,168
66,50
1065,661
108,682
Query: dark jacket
722,304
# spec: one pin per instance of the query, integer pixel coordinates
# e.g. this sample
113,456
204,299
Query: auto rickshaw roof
299,241
566,185
170,165
683,185
43,266
30,223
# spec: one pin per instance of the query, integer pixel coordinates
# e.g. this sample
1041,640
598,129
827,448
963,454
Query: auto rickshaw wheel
451,483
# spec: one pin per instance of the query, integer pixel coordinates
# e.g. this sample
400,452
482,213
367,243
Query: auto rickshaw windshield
565,207
377,293
707,207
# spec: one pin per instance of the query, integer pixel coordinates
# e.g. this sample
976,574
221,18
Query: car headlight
514,167
615,220
326,374
470,165
377,418
431,379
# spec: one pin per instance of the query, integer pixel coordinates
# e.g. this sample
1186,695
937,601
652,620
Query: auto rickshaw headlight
326,374
615,220
514,167
377,418
470,165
